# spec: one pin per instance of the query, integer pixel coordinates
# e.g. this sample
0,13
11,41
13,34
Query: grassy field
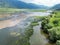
14,10
36,10
9,10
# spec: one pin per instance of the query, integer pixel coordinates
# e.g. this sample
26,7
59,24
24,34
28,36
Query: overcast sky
43,2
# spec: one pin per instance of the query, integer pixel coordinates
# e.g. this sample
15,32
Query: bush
58,42
55,22
42,18
54,34
51,15
34,23
22,41
28,33
46,27
44,22
29,28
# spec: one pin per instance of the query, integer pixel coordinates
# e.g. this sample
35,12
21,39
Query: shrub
46,27
28,33
58,42
51,15
55,22
44,22
34,23
54,34
22,41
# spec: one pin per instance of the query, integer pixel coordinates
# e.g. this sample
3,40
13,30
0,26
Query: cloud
43,2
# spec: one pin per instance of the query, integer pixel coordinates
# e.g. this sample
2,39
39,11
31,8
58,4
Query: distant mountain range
20,4
56,7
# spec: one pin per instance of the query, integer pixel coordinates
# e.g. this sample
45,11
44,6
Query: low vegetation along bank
51,26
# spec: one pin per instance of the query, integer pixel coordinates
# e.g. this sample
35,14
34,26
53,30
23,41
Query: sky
43,2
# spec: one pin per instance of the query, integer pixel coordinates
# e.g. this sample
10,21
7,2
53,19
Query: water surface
13,26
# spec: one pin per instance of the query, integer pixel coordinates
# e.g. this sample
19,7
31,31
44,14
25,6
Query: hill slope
20,4
56,7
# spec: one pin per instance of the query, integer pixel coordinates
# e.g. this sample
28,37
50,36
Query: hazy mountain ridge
20,4
56,7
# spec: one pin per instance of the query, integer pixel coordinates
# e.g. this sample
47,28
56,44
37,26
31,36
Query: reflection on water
14,26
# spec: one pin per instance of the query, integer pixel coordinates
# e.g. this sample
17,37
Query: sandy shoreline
11,22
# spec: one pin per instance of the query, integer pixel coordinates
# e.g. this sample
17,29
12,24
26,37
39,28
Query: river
37,38
14,25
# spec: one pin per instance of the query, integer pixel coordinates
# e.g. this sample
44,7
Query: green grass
34,24
36,10
14,10
55,17
9,10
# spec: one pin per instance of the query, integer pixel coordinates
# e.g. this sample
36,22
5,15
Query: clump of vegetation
34,23
9,10
55,22
58,42
44,22
36,20
46,27
24,39
54,34
51,25
29,31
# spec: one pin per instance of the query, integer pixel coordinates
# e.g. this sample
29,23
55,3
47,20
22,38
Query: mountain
20,4
56,7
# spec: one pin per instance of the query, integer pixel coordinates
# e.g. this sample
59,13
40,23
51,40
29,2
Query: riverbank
11,35
12,20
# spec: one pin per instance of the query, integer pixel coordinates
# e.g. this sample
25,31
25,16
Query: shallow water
37,38
12,27
15,19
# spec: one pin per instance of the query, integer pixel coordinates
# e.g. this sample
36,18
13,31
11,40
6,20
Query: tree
46,27
55,22
54,34
44,22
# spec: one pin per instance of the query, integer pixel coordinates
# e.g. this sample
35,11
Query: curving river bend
9,27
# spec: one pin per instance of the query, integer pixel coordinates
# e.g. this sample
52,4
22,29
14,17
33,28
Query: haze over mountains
57,7
20,4
24,5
